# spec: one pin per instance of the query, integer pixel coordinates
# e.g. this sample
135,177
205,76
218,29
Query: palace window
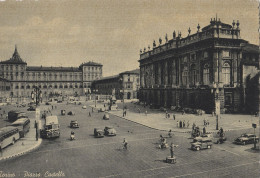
61,86
28,87
226,53
193,57
193,75
226,73
185,76
206,54
206,74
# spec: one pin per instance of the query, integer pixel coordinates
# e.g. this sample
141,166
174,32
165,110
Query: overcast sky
111,32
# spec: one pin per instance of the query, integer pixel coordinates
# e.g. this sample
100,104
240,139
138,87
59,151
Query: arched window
206,74
185,76
226,73
193,74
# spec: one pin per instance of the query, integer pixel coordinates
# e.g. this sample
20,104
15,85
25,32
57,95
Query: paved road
104,157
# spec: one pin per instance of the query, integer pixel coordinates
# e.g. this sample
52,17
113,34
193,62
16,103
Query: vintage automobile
98,133
101,110
31,108
74,124
202,144
84,107
71,113
106,117
203,137
109,131
246,139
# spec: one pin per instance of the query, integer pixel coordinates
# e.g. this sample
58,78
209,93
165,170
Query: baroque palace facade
199,70
19,80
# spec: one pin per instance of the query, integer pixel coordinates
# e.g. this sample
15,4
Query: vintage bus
51,127
23,125
14,115
8,135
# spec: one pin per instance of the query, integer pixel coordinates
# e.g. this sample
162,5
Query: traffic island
171,160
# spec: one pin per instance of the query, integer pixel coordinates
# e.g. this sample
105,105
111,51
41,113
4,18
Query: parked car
109,131
203,138
74,124
47,103
98,133
101,110
246,139
84,107
31,108
71,113
202,144
106,117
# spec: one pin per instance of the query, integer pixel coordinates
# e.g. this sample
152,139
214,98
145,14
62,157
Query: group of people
167,115
183,124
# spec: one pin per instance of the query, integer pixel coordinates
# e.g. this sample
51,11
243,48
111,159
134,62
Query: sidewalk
156,119
23,145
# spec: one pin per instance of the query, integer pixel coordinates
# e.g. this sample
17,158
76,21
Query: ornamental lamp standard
121,80
215,92
95,91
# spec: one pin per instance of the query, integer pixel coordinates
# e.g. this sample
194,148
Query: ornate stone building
126,84
50,80
197,70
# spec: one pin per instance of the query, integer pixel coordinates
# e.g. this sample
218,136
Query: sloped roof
15,59
108,78
250,48
135,71
56,69
91,63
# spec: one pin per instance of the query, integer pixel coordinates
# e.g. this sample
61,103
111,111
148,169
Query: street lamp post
215,91
122,82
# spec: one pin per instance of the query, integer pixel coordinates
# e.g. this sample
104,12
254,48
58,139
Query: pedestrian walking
170,133
168,115
125,144
204,130
173,116
1,150
193,126
125,113
172,149
180,124
177,124
188,124
36,129
52,107
89,114
183,124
